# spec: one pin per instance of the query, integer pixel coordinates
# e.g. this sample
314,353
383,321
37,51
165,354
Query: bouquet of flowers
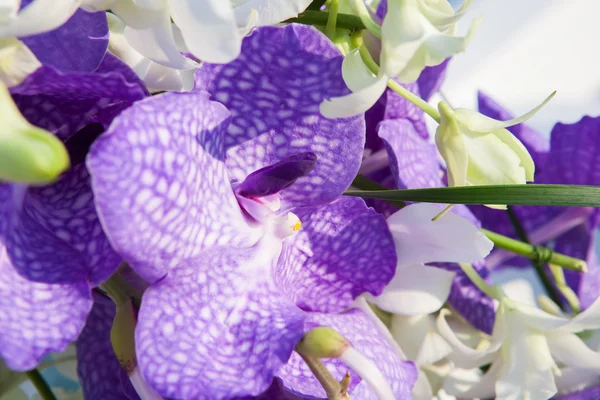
241,199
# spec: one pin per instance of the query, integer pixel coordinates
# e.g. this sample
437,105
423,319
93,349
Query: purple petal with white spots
78,45
65,103
161,187
470,302
274,178
589,290
273,90
413,160
575,153
344,249
356,326
100,374
536,144
52,233
397,107
431,79
37,318
216,327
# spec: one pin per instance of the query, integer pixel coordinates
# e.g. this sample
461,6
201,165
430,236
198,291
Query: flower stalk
330,28
320,18
40,384
536,253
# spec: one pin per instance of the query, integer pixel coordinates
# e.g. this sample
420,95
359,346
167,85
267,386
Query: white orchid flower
211,29
479,150
524,350
416,288
415,34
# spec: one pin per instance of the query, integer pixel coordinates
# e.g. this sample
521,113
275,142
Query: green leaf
541,195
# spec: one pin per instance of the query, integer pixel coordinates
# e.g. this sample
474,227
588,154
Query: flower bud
322,342
27,154
478,150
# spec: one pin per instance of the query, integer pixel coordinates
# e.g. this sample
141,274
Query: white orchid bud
479,150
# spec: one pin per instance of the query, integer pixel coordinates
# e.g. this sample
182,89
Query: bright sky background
524,50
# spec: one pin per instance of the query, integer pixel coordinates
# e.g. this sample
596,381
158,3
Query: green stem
40,384
330,28
536,253
392,84
538,266
478,281
334,389
364,183
561,284
320,18
365,17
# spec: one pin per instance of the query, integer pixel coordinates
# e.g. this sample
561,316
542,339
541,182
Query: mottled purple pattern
589,290
275,178
100,374
431,79
37,318
64,103
413,160
161,188
52,233
575,153
470,302
113,64
273,90
592,393
216,327
344,249
78,45
356,326
373,116
536,144
381,9
397,107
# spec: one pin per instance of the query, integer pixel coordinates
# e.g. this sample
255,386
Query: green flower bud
322,342
28,154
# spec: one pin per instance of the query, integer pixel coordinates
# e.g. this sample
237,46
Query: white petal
471,383
159,78
151,4
420,240
8,10
572,380
520,150
572,351
536,318
418,336
354,103
16,61
478,122
451,145
589,319
463,356
150,33
270,12
422,389
209,29
355,73
519,290
39,16
414,290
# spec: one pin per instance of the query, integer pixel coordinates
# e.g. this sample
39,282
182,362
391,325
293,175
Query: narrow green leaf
542,195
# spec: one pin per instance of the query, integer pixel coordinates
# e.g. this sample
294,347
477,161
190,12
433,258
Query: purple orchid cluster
197,243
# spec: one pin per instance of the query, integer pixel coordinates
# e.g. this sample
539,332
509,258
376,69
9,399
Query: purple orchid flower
571,159
204,200
52,248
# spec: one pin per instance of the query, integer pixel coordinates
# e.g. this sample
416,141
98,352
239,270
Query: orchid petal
473,383
570,350
226,318
270,12
355,73
420,240
343,249
480,123
209,29
451,145
39,16
158,186
417,334
463,356
588,319
415,289
275,115
17,63
355,103
150,33
99,371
